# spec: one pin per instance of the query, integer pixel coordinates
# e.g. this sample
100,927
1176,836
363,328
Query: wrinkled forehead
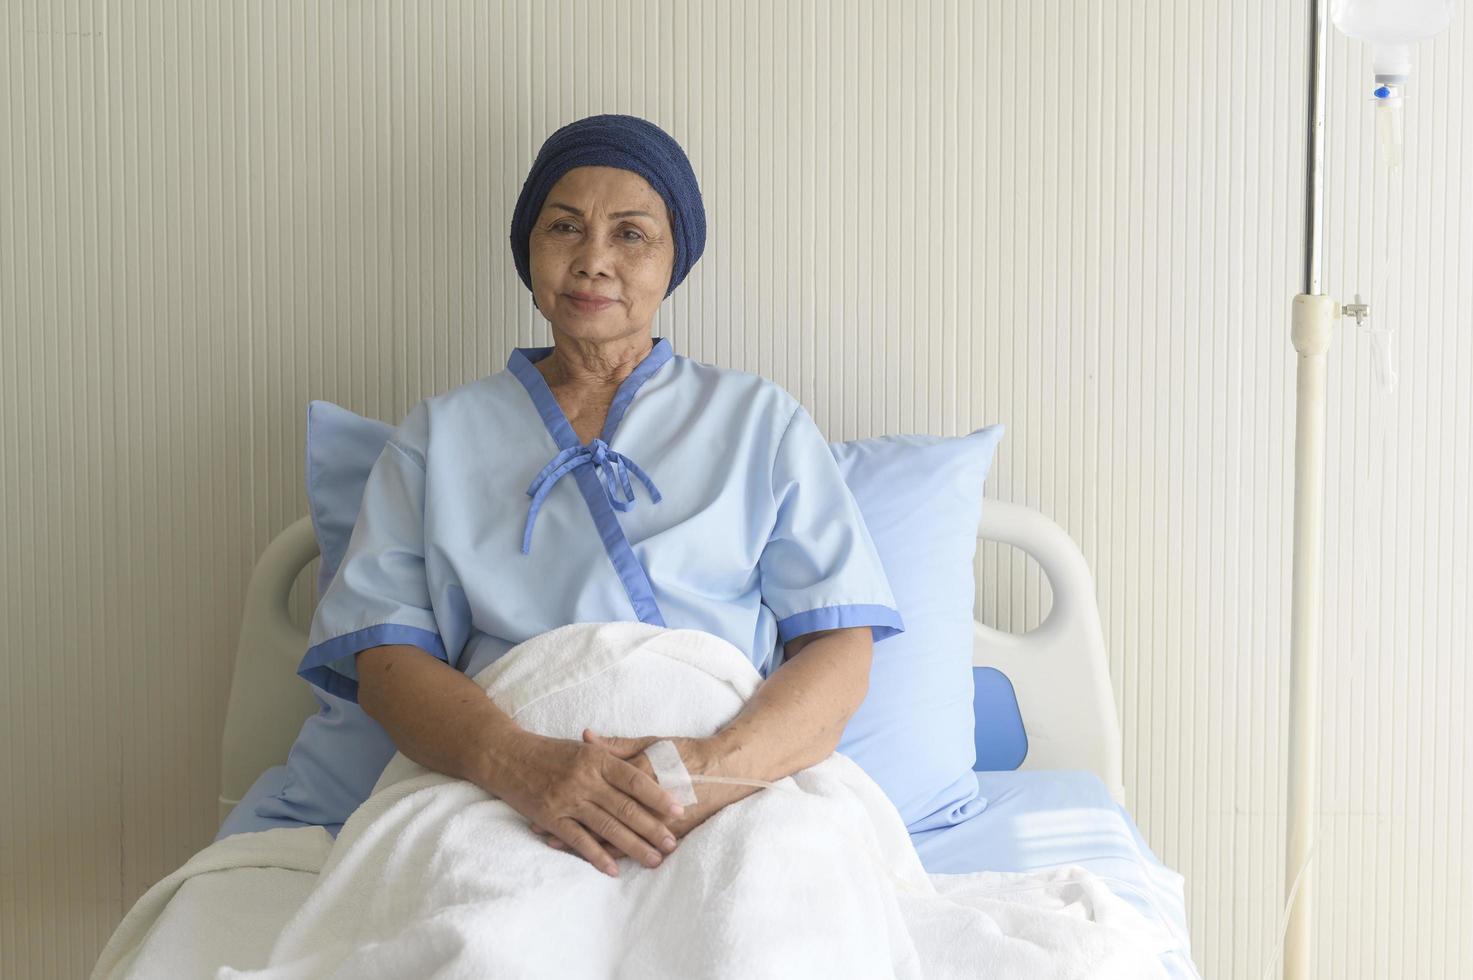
606,190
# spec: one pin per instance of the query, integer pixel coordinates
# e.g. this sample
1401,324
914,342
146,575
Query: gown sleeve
381,594
819,569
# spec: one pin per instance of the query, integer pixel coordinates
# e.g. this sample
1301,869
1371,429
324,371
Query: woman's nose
593,256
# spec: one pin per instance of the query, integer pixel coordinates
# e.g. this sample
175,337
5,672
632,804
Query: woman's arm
797,716
436,715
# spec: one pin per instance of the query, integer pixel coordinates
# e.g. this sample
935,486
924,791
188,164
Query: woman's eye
628,234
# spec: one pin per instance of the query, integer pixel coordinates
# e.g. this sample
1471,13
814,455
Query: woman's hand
700,757
583,795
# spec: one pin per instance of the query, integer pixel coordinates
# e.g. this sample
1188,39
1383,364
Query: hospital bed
1049,747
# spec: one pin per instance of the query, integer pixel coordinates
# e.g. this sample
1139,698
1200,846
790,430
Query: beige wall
1081,219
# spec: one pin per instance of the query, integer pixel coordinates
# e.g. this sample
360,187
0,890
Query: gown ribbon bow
615,466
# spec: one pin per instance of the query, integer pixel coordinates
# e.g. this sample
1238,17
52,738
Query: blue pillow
340,751
913,733
341,450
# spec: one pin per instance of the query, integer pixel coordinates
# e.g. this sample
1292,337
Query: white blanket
432,877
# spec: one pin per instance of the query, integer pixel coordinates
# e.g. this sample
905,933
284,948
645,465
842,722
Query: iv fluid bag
1391,26
1391,21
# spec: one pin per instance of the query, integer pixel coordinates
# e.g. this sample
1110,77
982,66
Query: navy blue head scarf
629,143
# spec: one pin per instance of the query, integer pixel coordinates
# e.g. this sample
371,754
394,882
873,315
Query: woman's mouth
588,302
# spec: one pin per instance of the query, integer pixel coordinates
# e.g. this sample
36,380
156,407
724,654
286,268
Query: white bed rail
1059,670
268,702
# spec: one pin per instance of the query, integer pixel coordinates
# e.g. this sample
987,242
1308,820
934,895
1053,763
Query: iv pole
1391,32
1311,332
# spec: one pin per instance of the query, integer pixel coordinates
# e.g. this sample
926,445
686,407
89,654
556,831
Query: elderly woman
746,529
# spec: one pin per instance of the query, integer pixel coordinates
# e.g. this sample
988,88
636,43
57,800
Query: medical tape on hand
670,772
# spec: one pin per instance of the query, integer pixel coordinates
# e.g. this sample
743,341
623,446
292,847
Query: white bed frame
1058,670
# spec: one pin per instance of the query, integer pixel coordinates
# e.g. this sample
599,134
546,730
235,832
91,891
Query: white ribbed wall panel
1081,219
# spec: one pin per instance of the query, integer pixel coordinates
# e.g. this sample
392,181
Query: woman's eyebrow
616,214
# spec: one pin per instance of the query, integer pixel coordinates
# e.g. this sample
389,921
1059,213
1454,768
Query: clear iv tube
736,781
1388,157
1283,933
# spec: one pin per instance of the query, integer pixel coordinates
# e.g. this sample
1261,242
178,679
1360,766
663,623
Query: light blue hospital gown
711,501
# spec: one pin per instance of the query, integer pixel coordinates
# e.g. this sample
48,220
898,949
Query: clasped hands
600,799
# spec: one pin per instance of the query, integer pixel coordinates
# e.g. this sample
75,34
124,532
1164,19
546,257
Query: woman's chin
595,329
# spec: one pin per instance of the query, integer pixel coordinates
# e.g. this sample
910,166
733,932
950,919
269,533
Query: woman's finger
582,843
631,814
556,843
624,748
635,782
612,829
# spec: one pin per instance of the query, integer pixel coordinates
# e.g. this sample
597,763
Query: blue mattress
1042,819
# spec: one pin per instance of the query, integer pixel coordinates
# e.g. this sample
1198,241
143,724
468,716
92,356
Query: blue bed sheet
1035,820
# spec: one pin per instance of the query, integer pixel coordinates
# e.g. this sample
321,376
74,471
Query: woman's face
602,232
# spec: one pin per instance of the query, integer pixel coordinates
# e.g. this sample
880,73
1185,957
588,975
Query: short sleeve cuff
883,621
329,664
